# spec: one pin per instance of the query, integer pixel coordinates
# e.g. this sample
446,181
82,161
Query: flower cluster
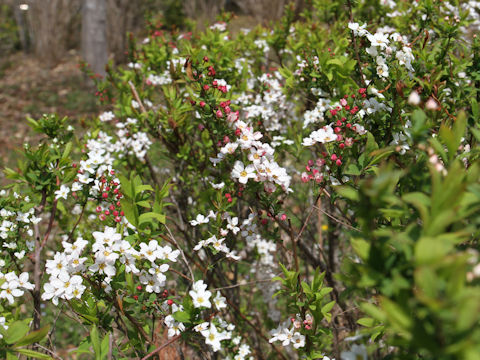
336,139
382,47
287,334
14,286
110,251
262,167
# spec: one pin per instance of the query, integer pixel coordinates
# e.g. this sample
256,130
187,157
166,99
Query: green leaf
396,315
326,308
34,336
141,188
347,192
366,321
143,203
125,186
421,203
352,169
149,216
94,338
374,311
16,331
361,248
33,354
475,109
337,62
105,345
371,144
68,149
129,211
181,316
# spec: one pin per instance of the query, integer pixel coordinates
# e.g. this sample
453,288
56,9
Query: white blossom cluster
14,222
162,79
13,286
270,105
316,114
383,47
107,253
104,148
218,243
287,334
262,167
265,269
213,334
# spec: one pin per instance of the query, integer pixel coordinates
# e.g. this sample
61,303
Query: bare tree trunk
20,18
94,34
48,22
203,9
121,15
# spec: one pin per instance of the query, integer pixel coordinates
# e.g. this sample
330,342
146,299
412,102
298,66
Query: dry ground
28,88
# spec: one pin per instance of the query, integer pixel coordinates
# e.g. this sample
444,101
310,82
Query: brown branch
172,340
181,252
137,98
355,45
256,329
335,219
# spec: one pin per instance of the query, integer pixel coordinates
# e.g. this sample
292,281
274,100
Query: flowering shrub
308,191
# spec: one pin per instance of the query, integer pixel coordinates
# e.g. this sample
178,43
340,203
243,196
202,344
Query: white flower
153,283
298,340
201,327
233,224
357,29
213,337
174,327
243,173
102,266
200,295
378,39
58,265
200,219
62,192
217,186
19,255
219,301
357,352
49,293
414,98
106,116
108,237
431,104
10,288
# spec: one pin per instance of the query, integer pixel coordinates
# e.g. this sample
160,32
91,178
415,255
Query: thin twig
137,98
172,340
306,221
181,252
242,284
335,219
355,45
56,356
70,236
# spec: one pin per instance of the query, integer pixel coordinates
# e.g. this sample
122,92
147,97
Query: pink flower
305,177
